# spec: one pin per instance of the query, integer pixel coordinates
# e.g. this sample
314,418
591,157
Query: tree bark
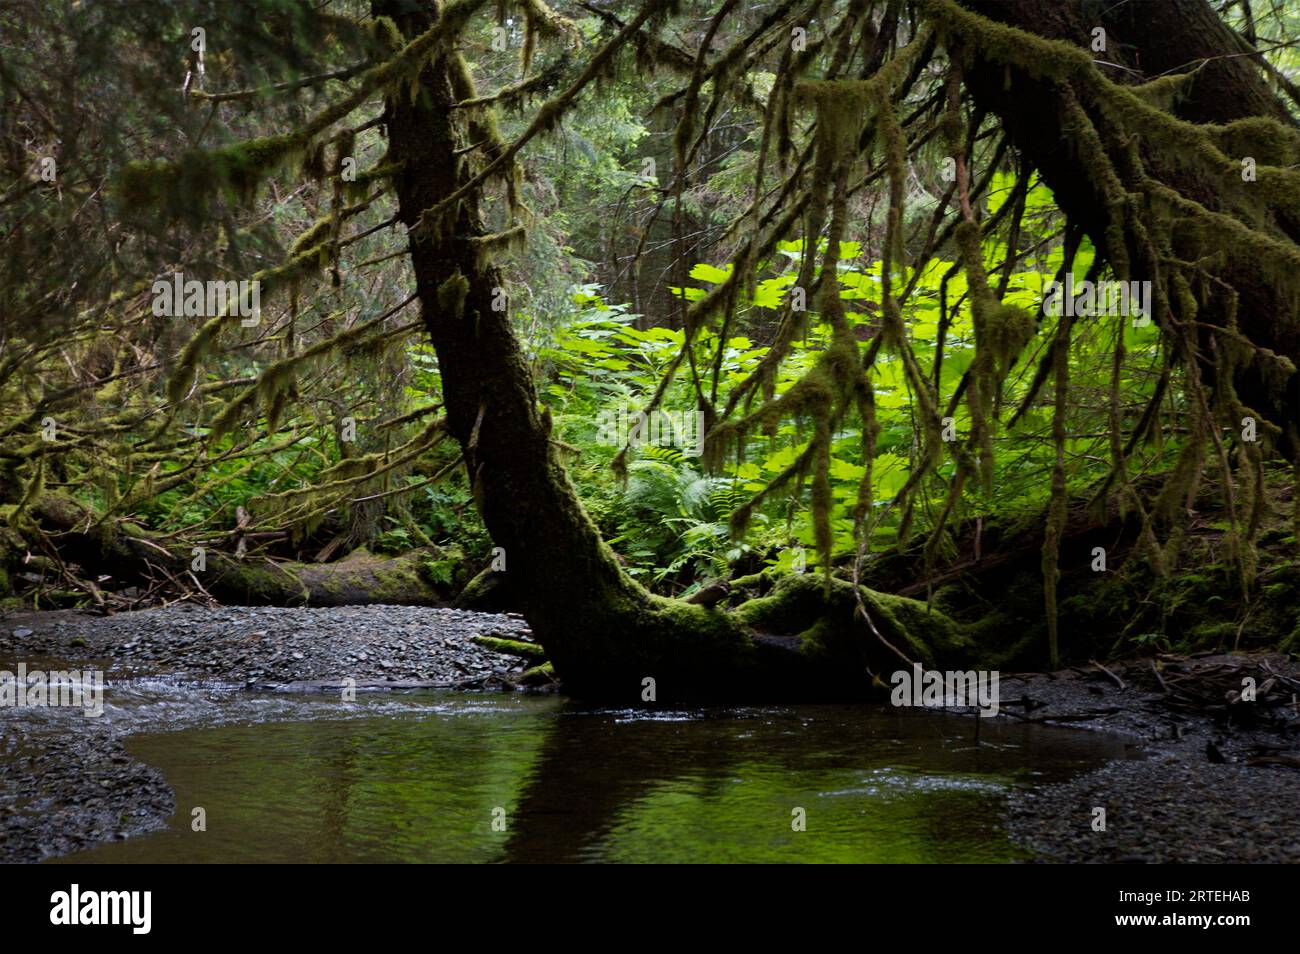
1145,40
604,633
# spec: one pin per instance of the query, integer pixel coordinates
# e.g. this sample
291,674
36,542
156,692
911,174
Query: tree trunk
603,632
1149,39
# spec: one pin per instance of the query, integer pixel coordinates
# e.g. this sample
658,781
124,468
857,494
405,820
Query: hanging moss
313,162
1056,512
385,32
842,107
488,248
452,294
32,491
985,379
1165,91
303,505
184,187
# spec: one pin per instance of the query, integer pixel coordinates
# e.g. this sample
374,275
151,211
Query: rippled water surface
474,777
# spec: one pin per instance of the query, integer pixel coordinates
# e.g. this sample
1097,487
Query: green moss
1265,140
756,581
1211,635
1009,329
1292,642
830,625
385,31
395,580
538,676
511,647
452,294
488,248
184,187
1163,92
484,592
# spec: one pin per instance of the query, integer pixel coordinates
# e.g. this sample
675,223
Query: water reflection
423,778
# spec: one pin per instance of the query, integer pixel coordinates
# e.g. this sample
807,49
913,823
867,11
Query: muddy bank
1222,779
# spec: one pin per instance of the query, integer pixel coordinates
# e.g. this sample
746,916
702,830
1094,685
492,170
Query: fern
679,517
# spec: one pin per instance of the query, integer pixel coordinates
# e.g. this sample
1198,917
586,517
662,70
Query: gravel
281,648
1207,791
1167,811
67,781
61,793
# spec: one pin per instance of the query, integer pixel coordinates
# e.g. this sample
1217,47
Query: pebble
91,790
1171,805
280,644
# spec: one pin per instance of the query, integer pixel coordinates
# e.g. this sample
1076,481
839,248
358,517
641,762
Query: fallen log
122,550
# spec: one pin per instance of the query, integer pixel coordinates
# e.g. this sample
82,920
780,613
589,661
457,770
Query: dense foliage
822,258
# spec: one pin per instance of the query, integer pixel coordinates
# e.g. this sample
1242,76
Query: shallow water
432,776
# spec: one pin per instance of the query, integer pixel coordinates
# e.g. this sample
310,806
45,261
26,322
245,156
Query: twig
1118,681
1159,678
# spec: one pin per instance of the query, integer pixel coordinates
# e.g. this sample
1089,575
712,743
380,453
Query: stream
437,776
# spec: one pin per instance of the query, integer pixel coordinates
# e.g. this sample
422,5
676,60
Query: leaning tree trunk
602,631
1143,41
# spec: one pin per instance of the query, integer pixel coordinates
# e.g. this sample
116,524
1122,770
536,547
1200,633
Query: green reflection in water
582,785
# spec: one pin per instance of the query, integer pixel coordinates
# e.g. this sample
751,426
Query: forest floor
1221,781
